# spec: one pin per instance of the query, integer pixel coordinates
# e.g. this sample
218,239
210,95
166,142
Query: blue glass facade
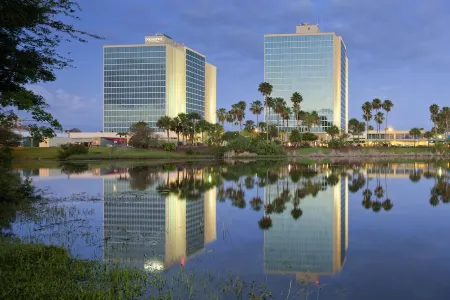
195,83
134,86
304,64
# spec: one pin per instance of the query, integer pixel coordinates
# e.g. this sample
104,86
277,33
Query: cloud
70,109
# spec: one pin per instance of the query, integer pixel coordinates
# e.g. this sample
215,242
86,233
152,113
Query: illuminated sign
153,39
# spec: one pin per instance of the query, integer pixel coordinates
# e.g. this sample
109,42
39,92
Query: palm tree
434,110
379,118
165,123
280,104
230,117
286,115
222,115
203,126
428,135
296,99
367,113
311,119
184,125
241,106
415,132
249,125
256,107
387,106
175,126
376,104
265,89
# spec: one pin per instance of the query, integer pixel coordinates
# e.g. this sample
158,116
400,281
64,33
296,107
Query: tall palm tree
376,105
222,115
367,113
311,119
265,89
296,99
387,106
175,126
379,118
286,115
231,116
256,107
434,111
269,103
280,105
165,123
241,106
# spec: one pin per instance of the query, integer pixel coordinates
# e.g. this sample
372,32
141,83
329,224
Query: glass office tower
161,77
314,245
313,63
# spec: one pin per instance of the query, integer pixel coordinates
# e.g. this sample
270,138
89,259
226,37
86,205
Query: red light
317,281
182,261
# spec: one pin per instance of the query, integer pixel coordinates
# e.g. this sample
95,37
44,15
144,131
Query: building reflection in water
315,244
150,229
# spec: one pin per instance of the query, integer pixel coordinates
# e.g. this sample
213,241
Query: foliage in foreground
254,145
67,150
32,271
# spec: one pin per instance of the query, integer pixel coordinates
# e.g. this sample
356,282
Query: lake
261,229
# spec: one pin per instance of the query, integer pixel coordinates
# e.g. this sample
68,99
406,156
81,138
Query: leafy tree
415,132
249,125
367,113
31,33
165,122
221,115
333,131
295,137
444,120
311,119
286,115
238,110
9,138
142,135
355,127
256,107
262,126
376,104
215,135
309,137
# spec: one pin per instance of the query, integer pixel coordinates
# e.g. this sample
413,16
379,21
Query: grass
34,271
393,150
312,150
100,153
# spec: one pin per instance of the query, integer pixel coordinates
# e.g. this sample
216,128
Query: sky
397,49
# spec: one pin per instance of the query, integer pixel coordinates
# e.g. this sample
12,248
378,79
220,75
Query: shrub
67,150
268,148
193,152
230,135
240,144
168,146
254,145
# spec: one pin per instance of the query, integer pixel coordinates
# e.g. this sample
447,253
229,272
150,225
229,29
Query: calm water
368,231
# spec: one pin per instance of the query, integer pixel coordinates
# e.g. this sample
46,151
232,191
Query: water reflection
309,232
150,223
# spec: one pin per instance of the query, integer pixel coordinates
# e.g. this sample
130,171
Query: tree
296,100
164,123
256,107
279,105
415,132
428,135
31,33
215,133
262,126
309,137
203,127
175,126
333,131
355,127
221,115
239,111
9,138
444,120
184,125
286,115
295,137
73,130
230,117
265,89
379,118
367,113
193,119
434,111
142,135
311,119
376,104
249,125
387,106
361,128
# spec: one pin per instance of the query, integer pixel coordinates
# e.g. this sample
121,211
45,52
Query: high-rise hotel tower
160,77
313,63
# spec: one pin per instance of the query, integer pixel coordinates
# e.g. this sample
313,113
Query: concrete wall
175,81
210,93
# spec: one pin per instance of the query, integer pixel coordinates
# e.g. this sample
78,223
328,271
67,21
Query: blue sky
397,49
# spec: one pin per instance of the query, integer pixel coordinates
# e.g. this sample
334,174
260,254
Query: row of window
326,52
135,49
133,84
134,67
148,72
290,38
137,62
137,101
134,90
135,78
134,108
